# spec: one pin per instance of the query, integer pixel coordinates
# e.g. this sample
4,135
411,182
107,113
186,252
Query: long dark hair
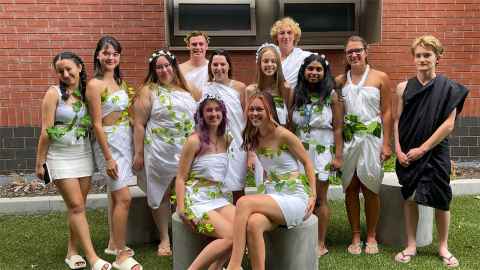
82,84
97,66
323,88
201,127
227,57
152,76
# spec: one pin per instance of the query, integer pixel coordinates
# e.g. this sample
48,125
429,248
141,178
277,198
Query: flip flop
127,264
450,261
100,264
371,248
114,252
355,249
322,252
76,262
403,257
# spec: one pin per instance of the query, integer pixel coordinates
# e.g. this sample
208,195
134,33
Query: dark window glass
210,17
323,17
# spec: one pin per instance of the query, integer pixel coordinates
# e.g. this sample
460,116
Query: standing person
109,102
65,148
232,93
427,106
286,34
318,120
270,79
367,98
289,196
202,169
163,120
195,69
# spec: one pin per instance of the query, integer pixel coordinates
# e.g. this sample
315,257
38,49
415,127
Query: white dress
291,65
289,192
198,76
235,178
315,130
362,152
170,123
120,142
69,155
203,196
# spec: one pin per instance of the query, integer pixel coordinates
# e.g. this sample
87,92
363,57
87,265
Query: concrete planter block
141,227
391,225
293,249
186,244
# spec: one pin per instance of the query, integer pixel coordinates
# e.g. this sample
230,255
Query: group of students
295,129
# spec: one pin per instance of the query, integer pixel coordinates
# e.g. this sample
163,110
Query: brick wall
33,31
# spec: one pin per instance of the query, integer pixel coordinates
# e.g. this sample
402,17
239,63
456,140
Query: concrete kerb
39,204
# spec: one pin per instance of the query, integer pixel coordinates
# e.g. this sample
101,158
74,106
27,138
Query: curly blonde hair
286,21
428,41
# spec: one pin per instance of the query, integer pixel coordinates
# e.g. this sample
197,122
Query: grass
39,242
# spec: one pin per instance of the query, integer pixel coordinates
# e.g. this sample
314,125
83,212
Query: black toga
425,108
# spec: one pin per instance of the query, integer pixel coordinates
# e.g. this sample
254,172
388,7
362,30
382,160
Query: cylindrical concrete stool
141,227
391,225
293,249
186,244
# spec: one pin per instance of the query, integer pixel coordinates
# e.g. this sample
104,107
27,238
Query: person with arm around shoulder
287,197
317,119
421,144
64,149
109,99
366,93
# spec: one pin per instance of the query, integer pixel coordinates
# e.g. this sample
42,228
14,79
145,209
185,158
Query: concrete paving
39,204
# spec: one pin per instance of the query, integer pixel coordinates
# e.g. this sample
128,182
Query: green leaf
56,133
320,148
333,149
77,106
279,186
261,188
306,145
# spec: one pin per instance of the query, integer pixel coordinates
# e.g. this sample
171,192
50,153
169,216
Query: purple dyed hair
201,127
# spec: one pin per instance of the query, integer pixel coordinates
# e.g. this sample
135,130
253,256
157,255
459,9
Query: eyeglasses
355,51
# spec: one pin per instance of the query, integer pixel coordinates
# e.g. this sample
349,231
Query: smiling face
356,53
68,72
257,113
268,62
109,58
198,46
425,58
164,70
314,72
219,67
212,114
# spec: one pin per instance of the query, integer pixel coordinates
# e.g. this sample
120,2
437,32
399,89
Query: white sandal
76,262
100,264
114,252
127,264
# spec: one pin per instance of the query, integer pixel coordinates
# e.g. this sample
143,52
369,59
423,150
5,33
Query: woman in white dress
318,122
163,120
232,93
286,34
109,99
64,147
367,131
289,196
203,166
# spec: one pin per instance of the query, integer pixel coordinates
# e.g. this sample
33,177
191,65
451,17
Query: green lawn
39,242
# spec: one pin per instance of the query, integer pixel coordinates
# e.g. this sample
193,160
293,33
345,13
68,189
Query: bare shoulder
284,134
238,85
401,88
380,74
250,90
145,90
52,93
95,84
340,81
193,142
287,86
185,67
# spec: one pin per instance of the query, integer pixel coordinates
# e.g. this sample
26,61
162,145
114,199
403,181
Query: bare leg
352,203
323,213
72,195
410,210
73,239
161,215
372,213
220,247
246,206
443,222
111,241
256,226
